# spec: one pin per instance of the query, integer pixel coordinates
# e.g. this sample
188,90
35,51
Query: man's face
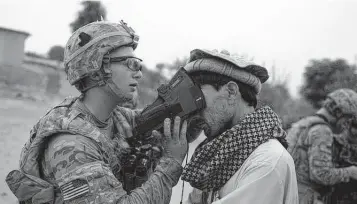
123,77
218,113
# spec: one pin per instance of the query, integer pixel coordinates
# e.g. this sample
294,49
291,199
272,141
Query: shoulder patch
74,189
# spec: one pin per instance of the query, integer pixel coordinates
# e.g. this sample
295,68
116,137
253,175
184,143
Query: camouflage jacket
344,154
310,141
81,164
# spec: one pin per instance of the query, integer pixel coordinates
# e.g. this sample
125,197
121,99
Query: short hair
217,81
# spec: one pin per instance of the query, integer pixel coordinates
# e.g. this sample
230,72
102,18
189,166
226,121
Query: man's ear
233,89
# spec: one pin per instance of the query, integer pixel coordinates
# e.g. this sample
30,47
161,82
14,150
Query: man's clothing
238,161
74,159
310,141
344,154
267,176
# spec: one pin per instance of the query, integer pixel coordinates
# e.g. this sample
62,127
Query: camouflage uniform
83,156
313,159
310,144
71,157
344,155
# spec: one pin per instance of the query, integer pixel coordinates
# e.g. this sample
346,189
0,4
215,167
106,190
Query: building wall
33,75
66,88
12,45
17,76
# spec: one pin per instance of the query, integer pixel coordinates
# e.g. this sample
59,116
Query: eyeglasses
133,63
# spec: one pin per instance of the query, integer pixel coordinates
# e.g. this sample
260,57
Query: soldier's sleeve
84,176
322,171
126,116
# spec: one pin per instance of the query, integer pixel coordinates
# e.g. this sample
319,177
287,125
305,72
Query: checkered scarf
214,162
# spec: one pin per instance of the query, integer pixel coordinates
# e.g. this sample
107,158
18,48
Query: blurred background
309,48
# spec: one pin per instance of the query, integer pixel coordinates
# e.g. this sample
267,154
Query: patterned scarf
214,162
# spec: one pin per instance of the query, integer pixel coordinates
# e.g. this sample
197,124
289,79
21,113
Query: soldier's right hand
175,141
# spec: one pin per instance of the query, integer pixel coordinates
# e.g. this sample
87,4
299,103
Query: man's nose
137,75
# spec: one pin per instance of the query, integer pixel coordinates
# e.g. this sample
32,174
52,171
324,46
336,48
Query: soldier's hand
352,170
175,142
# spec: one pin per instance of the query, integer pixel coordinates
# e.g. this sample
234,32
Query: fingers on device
180,97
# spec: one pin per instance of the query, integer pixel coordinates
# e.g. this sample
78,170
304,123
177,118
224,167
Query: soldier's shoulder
320,134
62,106
70,141
59,113
126,111
68,152
320,128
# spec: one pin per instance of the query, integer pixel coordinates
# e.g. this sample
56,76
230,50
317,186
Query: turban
233,66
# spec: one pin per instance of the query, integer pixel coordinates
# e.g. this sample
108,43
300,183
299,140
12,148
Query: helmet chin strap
118,93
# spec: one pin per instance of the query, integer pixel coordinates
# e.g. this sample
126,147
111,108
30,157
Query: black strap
322,117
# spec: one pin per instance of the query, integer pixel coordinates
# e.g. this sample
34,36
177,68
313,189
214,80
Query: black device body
181,96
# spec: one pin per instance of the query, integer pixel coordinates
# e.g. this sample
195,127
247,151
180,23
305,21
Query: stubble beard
219,120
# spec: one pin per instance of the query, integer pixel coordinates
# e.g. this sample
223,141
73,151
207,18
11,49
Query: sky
283,33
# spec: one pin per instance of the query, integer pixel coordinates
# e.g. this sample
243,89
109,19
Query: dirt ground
16,119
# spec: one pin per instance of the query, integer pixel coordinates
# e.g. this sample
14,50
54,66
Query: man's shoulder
266,161
271,154
269,151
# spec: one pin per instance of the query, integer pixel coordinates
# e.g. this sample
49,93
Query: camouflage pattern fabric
104,37
344,155
341,103
310,146
82,165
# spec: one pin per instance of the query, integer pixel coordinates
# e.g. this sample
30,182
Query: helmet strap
102,77
117,91
96,79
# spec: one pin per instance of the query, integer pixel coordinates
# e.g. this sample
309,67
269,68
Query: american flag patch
74,189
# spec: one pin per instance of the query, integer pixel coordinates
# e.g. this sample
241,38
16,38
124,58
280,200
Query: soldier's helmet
88,45
342,103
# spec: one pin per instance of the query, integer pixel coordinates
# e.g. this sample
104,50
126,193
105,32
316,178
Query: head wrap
237,67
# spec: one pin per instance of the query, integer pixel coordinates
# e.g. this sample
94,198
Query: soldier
344,154
243,159
76,151
310,141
